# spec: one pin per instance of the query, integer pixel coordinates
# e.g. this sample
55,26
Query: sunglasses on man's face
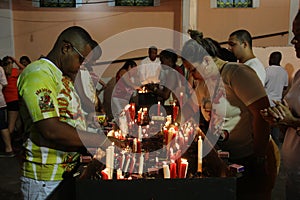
81,57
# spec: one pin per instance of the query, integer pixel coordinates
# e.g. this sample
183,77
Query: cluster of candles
176,140
132,160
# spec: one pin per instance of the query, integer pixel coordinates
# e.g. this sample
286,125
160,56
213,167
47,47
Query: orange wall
35,29
271,16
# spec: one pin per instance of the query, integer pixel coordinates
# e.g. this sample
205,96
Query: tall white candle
122,160
200,156
111,160
140,134
158,108
108,160
141,164
181,99
134,146
127,164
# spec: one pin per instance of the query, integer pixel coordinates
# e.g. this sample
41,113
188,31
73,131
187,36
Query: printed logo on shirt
45,101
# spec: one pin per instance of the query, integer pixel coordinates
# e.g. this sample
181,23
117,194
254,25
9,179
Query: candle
139,116
181,99
132,164
200,152
140,133
139,146
110,151
158,108
173,169
119,173
134,146
132,111
104,174
122,160
183,168
141,164
166,171
127,163
108,160
175,112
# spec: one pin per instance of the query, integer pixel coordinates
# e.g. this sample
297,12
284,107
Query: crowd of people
54,98
10,121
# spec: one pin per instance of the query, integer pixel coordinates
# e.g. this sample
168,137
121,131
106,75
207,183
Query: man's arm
59,135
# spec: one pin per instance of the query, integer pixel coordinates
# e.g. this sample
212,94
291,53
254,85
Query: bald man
52,115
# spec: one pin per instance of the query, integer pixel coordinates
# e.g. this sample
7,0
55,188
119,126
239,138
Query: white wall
6,33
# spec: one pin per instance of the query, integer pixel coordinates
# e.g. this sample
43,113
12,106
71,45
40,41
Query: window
57,3
234,3
135,3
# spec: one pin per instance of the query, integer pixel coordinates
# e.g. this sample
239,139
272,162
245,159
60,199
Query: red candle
104,174
183,168
139,146
132,111
175,112
173,169
139,116
166,133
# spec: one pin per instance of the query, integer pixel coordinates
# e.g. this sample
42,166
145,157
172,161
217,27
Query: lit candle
132,111
134,145
140,133
181,99
158,108
200,152
175,112
139,116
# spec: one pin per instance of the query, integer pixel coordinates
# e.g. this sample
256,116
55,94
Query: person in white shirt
150,67
240,44
276,85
